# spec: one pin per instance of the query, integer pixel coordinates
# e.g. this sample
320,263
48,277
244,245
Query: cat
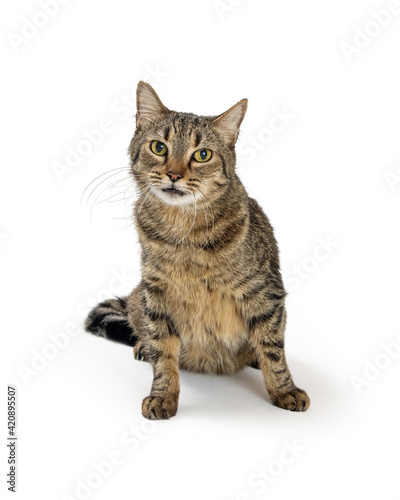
211,298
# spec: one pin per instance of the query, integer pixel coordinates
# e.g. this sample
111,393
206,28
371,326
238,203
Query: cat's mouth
173,191
171,195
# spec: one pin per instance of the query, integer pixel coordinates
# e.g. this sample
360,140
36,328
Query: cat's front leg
163,346
267,327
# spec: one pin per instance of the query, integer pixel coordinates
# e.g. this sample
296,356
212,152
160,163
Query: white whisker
194,219
115,172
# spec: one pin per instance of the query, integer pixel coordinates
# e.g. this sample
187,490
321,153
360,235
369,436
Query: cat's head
182,157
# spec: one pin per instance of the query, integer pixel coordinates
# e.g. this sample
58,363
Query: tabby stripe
171,327
278,372
155,334
153,235
154,315
276,282
97,319
251,293
197,139
166,133
276,295
277,344
158,316
149,278
135,159
155,353
228,236
286,382
272,356
279,317
151,287
261,318
220,184
224,169
122,301
245,280
113,307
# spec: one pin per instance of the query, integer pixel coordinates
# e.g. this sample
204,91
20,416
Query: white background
328,175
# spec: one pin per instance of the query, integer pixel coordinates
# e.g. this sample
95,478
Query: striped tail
109,319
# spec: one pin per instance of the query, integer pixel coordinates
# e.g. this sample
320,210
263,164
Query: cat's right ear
148,104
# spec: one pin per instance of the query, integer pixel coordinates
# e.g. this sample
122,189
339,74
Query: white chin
172,198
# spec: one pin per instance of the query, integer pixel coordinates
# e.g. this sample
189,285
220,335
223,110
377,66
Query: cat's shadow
252,381
247,386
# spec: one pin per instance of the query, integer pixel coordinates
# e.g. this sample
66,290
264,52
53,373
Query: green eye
158,148
202,155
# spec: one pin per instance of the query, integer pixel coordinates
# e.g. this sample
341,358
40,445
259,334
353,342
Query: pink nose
174,176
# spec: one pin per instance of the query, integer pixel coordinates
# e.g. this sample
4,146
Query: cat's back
261,237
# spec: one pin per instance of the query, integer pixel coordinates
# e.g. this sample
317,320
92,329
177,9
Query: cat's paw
294,400
159,408
139,352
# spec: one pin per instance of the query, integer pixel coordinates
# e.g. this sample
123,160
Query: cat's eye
158,148
202,155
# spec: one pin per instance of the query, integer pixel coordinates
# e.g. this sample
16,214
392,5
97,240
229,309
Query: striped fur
211,299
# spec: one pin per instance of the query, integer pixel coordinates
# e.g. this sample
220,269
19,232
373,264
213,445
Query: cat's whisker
211,212
176,226
113,196
126,226
194,219
115,172
103,191
124,198
184,218
110,186
149,192
206,212
118,183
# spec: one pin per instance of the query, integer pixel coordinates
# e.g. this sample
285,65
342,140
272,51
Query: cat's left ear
229,122
148,104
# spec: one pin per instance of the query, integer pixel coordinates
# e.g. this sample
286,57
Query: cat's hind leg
140,351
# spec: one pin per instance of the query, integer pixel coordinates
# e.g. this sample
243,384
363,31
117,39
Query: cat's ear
148,104
229,122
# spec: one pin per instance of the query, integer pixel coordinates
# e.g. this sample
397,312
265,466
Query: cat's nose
174,176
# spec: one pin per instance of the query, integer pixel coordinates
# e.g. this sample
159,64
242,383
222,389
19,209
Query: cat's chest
203,315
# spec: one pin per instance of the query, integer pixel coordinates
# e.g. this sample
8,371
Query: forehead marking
197,139
166,133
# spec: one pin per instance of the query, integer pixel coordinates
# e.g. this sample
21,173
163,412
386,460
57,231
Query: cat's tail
109,319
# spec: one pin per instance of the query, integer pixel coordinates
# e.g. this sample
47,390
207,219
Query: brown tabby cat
211,299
